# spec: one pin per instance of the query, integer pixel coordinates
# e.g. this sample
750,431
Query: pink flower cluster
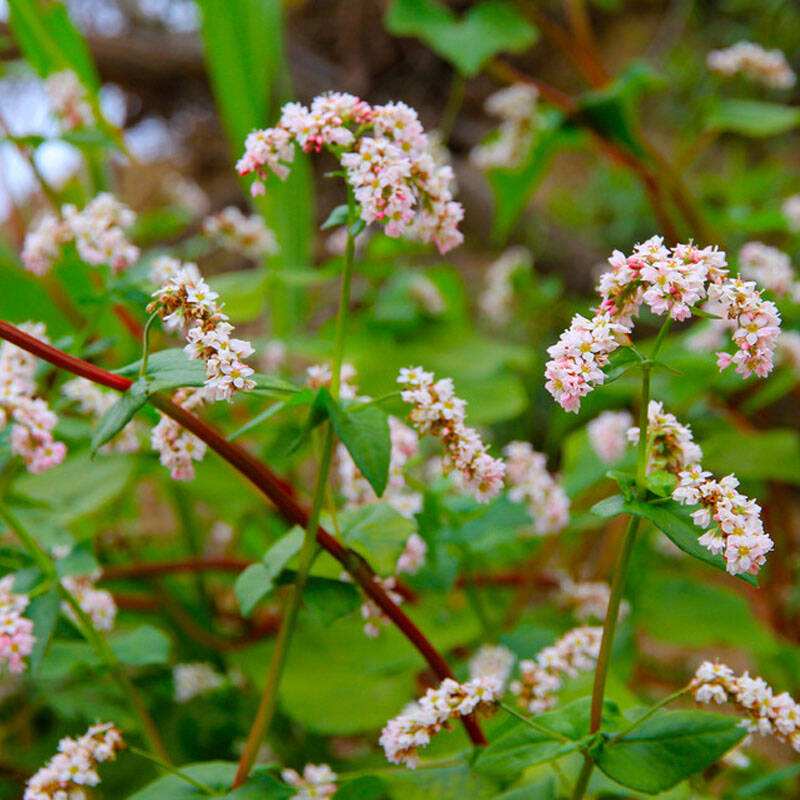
98,232
768,67
386,157
234,231
16,631
97,604
515,106
542,677
768,713
72,772
532,484
412,559
31,418
769,267
317,782
404,735
177,447
94,401
494,662
670,443
437,410
587,599
184,301
371,613
68,100
607,434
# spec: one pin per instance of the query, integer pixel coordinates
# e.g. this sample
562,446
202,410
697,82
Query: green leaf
760,786
329,600
364,431
217,775
667,748
243,293
119,415
754,118
168,369
367,787
675,521
487,28
378,532
141,647
771,455
442,783
337,217
43,612
258,580
609,506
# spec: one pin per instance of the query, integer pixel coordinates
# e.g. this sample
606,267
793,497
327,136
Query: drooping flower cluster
412,559
16,631
542,677
371,612
768,67
768,714
32,422
177,447
94,401
98,231
769,267
532,484
496,300
404,735
493,662
515,107
97,604
607,434
72,772
587,599
68,100
240,233
194,679
791,211
437,410
185,302
386,157
317,782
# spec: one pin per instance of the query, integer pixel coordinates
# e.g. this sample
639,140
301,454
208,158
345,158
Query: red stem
270,485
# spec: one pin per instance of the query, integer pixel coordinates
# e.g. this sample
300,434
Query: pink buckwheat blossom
769,267
72,772
318,781
437,410
97,604
497,299
493,662
587,599
404,735
234,231
607,434
412,559
767,67
515,107
16,631
68,99
386,157
371,613
177,447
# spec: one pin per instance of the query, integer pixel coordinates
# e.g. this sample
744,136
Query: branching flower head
16,631
385,155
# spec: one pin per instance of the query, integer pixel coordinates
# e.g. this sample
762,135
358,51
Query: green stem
177,772
455,100
88,630
649,713
641,461
535,725
583,778
662,333
146,343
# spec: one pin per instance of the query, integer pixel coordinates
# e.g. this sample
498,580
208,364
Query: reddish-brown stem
268,483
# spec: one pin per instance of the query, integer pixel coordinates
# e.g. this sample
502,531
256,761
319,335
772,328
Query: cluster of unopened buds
241,233
194,679
404,735
768,714
185,302
95,402
32,422
72,772
541,678
493,662
68,100
97,604
16,631
509,145
496,300
768,67
669,281
770,268
607,434
98,231
317,782
530,483
386,157
178,449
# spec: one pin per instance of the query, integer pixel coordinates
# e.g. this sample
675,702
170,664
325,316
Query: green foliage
140,647
378,532
755,118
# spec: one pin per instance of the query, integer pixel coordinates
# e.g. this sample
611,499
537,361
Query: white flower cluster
426,294
318,781
319,375
193,679
185,302
72,771
607,434
492,661
177,447
240,233
386,157
497,298
769,714
98,232
670,444
769,267
542,677
515,106
68,100
412,559
94,401
355,487
404,735
32,421
97,604
587,599
437,410
371,613
532,484
791,211
16,631
768,67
